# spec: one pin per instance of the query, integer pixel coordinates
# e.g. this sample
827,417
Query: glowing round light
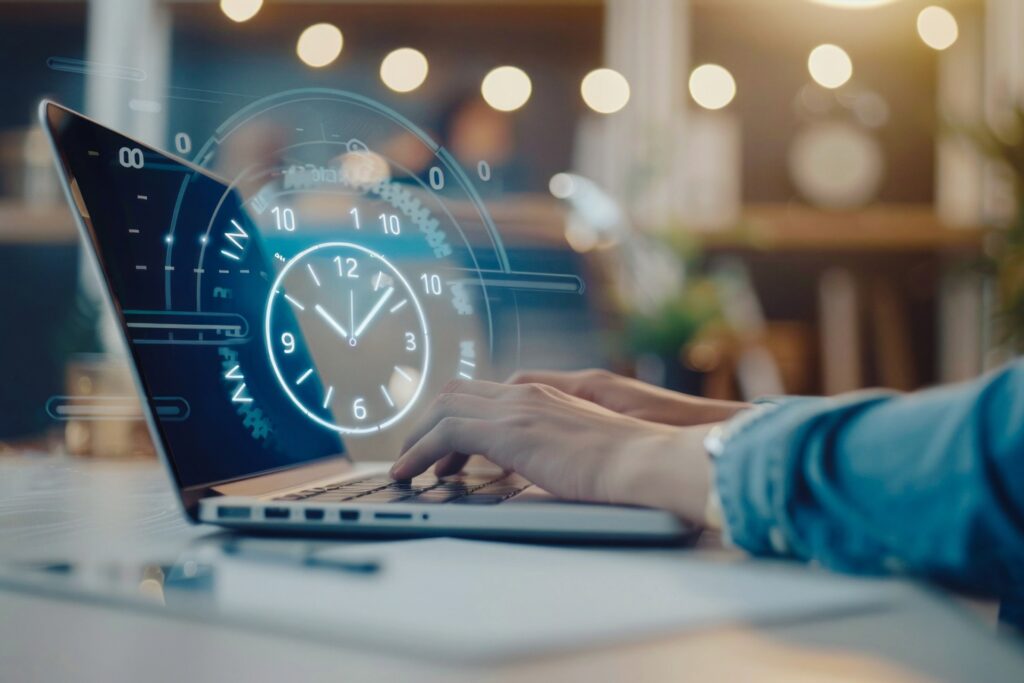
240,10
830,66
562,185
506,88
319,45
404,69
605,90
937,27
712,86
364,168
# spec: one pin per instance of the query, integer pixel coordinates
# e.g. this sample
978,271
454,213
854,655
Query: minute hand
373,311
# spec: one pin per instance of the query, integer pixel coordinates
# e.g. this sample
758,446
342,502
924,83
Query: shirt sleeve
930,483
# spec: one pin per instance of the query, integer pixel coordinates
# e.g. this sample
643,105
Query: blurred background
762,196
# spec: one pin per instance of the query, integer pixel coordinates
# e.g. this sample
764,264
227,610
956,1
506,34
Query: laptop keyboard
462,490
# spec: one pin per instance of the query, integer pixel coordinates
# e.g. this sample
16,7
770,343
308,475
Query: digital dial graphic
371,252
323,264
372,341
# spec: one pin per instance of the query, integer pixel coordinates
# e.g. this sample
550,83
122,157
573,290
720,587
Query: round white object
836,165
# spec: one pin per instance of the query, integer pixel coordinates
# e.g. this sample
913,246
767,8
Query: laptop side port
276,513
314,515
350,515
392,515
225,512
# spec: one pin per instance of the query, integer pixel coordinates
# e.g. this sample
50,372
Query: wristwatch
715,444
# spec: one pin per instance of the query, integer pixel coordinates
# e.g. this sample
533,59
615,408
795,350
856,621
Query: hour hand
331,321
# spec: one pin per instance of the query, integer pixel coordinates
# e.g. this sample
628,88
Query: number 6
359,409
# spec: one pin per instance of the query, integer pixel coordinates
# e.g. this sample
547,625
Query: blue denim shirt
929,484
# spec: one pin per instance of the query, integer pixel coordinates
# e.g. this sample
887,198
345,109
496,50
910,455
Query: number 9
288,339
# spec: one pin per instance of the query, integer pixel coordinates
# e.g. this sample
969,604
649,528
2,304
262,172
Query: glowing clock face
347,337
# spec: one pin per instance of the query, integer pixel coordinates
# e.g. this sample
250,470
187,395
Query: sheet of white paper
478,600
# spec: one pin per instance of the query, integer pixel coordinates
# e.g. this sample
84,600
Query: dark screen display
193,323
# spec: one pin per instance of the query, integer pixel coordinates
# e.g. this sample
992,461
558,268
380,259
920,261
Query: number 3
410,341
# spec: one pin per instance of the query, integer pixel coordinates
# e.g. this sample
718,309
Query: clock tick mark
313,274
397,306
387,396
327,398
294,303
303,376
403,373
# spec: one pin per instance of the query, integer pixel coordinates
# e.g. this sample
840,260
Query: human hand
634,398
568,446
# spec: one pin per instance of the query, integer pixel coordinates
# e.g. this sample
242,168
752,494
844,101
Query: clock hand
331,321
373,311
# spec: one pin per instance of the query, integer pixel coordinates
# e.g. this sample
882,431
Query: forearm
931,483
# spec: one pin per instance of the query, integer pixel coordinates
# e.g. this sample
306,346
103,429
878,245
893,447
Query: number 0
131,157
436,178
183,143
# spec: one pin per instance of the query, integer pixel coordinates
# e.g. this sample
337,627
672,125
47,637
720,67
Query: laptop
241,453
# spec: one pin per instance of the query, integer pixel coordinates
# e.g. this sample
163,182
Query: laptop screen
192,321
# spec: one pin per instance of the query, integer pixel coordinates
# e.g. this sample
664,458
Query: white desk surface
62,508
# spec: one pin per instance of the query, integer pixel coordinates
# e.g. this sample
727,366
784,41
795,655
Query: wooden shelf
881,228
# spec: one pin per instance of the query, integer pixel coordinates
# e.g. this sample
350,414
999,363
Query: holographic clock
376,357
371,247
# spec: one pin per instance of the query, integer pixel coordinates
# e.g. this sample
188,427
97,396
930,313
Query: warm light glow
364,168
240,10
404,69
853,4
937,27
712,86
605,90
830,66
506,88
319,45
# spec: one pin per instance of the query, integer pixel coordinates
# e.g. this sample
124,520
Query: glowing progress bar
546,282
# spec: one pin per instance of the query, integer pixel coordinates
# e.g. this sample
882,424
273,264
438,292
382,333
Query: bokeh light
506,88
830,66
319,45
606,91
562,185
404,69
240,10
937,27
712,86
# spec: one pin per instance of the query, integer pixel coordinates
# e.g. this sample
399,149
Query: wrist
670,471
